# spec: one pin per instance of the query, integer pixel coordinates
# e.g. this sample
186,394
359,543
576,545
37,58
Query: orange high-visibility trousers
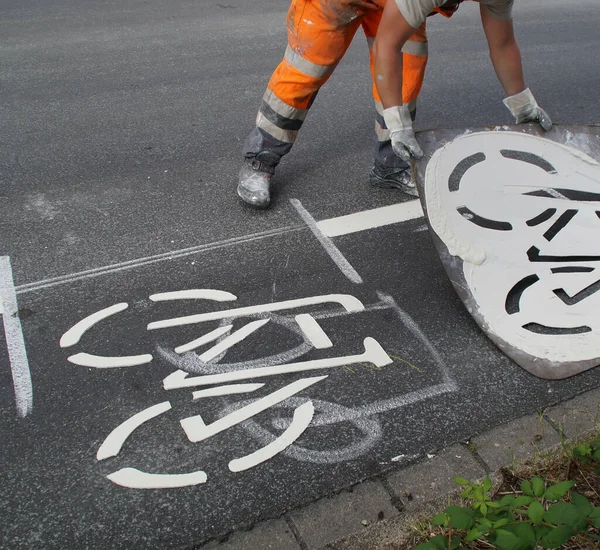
319,33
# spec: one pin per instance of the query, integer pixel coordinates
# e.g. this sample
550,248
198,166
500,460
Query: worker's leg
318,37
388,169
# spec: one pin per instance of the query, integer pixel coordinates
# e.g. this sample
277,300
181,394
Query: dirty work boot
391,177
254,185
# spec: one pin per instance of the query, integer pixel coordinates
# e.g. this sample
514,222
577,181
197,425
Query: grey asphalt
122,124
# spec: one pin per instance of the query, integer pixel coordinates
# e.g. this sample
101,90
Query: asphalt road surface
121,129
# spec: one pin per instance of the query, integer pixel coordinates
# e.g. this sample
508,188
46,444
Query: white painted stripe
301,420
196,430
282,108
115,440
305,66
74,334
413,47
231,389
148,260
195,294
334,253
207,338
347,301
232,339
313,331
104,362
369,219
134,479
373,353
15,343
286,136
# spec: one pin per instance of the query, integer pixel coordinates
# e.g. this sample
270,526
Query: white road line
370,219
74,334
134,479
373,353
197,430
348,302
206,339
332,227
115,439
232,339
302,418
195,294
15,342
110,362
313,331
131,264
327,243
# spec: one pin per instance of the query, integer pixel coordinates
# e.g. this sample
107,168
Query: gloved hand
404,142
524,108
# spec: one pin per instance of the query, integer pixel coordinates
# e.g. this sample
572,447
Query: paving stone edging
372,514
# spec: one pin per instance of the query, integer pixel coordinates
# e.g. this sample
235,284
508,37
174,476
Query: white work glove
524,108
404,142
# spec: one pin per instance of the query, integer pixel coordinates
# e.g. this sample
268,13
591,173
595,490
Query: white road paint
313,331
364,418
104,362
195,294
74,334
331,227
135,479
348,302
232,339
15,343
370,219
403,458
149,260
231,389
196,430
301,420
373,353
206,339
113,443
496,261
333,251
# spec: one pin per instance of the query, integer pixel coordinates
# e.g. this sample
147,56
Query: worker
319,33
398,23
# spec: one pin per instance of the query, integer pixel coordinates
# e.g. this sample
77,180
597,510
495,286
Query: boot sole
387,184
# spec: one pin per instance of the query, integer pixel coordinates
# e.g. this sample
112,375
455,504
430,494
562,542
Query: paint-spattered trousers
319,33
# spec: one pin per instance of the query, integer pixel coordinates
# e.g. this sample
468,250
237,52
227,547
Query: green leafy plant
589,453
541,515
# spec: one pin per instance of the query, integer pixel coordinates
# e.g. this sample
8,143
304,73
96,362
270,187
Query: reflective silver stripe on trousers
286,136
282,108
411,47
305,66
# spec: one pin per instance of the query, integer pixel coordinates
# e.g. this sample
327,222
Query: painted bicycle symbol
210,376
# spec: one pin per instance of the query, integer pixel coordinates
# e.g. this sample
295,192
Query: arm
504,52
506,58
392,34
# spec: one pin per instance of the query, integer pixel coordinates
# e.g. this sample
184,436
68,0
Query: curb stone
375,515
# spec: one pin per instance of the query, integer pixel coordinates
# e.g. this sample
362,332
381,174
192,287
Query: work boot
254,185
391,177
